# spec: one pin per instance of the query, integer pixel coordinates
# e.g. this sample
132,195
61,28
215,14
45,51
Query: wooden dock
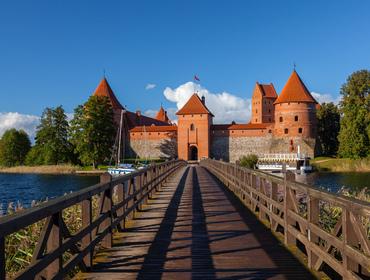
194,229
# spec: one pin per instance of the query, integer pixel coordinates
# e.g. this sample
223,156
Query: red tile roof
136,119
162,115
194,106
295,91
154,128
104,89
247,126
268,90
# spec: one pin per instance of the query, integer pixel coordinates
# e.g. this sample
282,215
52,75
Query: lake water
28,187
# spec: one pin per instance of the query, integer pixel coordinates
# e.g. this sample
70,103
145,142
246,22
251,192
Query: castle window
300,130
201,115
270,131
296,118
285,131
150,133
192,127
269,119
256,111
269,110
256,120
192,115
281,119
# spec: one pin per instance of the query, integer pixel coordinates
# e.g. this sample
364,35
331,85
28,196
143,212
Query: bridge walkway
194,229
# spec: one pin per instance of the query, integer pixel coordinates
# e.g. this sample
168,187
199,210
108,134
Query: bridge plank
192,228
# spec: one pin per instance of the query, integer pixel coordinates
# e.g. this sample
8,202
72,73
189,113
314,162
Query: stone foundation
232,148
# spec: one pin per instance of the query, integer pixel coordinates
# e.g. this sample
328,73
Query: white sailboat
121,168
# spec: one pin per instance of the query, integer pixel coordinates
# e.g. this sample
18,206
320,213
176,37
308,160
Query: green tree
92,130
248,161
52,144
328,123
14,146
355,122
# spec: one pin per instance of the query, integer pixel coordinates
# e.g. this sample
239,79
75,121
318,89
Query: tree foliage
328,123
14,146
52,144
355,122
92,130
249,161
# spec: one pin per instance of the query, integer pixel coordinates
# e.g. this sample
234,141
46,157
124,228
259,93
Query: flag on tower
196,78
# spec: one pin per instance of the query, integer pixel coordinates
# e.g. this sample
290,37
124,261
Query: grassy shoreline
329,164
48,169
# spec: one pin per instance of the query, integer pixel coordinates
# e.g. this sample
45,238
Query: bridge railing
60,250
332,229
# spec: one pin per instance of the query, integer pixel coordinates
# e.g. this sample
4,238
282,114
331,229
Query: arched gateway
193,153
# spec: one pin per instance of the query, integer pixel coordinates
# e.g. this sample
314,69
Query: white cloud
225,106
150,86
19,121
325,98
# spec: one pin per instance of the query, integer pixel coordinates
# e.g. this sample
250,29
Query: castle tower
162,116
104,89
263,100
295,110
194,123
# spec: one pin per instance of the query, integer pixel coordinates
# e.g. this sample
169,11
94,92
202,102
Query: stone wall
154,148
232,148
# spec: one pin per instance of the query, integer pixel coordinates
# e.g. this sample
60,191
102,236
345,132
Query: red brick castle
279,124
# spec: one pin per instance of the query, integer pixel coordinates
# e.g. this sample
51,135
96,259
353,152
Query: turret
295,110
263,100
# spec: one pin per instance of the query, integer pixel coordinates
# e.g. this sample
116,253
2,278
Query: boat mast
119,139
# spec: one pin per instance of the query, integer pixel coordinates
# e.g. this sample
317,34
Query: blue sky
54,52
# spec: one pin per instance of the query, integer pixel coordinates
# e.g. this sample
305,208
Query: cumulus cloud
150,86
225,106
325,97
19,121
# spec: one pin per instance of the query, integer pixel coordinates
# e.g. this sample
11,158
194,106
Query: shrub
248,161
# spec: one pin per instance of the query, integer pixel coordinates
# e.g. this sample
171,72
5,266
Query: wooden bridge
212,221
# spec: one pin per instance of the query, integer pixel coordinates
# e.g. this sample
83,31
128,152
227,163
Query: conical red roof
104,89
194,106
162,115
295,91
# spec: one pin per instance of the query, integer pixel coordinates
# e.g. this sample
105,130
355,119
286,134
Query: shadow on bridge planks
206,233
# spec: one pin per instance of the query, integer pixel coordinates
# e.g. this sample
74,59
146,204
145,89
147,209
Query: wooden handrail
132,190
295,209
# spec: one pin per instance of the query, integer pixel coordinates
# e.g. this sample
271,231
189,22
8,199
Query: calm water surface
335,181
28,187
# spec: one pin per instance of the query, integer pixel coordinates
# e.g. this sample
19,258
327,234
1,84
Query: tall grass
20,246
42,169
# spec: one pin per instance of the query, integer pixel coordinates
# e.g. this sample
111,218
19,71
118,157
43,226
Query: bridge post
106,206
349,238
313,214
54,241
288,205
86,209
274,197
120,190
2,258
